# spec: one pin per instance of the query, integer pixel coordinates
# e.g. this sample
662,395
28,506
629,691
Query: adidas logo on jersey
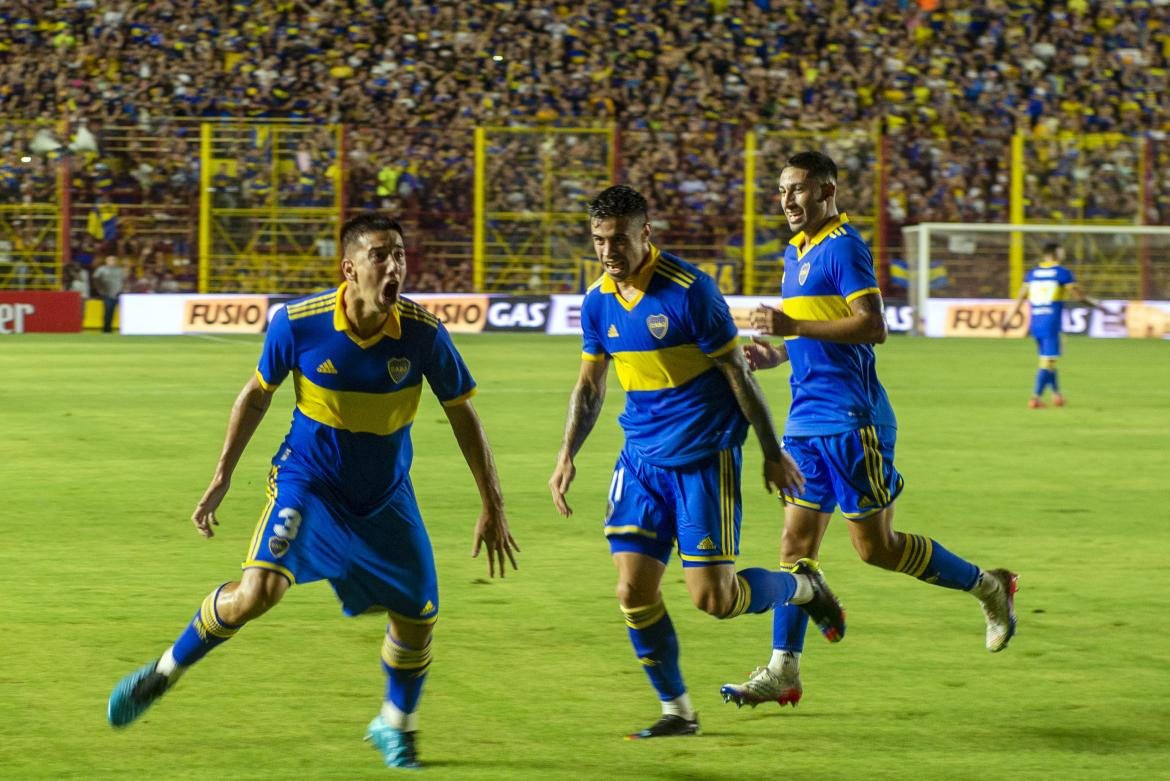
706,544
327,367
612,332
429,607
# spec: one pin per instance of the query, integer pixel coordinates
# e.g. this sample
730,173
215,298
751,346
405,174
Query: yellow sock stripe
916,555
209,620
642,617
743,598
400,658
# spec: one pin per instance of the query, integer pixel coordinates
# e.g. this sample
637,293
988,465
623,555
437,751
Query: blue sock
206,631
1052,381
656,644
789,623
1043,379
406,670
761,590
930,562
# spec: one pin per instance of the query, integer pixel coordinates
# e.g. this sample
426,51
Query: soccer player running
840,428
1046,288
340,501
690,397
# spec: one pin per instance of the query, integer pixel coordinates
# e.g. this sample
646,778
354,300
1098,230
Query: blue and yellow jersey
679,407
1046,294
835,387
356,398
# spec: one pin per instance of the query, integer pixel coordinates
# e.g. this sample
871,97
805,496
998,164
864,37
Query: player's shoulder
314,306
413,312
847,241
674,274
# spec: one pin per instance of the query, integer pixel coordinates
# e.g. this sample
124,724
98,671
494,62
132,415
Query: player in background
841,427
690,398
1046,287
340,501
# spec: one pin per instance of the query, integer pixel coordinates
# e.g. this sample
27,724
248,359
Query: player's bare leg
877,543
221,615
406,656
779,680
655,642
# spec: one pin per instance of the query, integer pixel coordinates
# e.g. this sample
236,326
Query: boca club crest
657,325
803,273
398,367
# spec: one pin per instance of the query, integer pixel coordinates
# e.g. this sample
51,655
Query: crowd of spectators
118,87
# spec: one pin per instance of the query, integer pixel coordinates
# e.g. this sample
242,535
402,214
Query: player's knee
879,552
716,602
629,595
256,593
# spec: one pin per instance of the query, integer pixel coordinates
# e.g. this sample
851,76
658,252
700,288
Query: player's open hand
762,354
772,322
558,485
204,515
491,530
783,476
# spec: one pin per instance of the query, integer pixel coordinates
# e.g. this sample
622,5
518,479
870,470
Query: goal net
987,261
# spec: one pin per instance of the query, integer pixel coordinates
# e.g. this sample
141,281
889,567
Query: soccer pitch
108,443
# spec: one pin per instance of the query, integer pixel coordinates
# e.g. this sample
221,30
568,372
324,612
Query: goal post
984,260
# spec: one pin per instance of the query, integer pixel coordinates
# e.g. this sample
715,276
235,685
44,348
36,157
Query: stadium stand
120,87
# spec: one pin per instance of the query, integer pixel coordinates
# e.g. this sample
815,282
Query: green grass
108,442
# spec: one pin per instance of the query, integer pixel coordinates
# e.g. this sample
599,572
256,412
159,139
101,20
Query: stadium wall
144,314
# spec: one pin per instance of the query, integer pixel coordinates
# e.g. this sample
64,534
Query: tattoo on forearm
584,409
750,397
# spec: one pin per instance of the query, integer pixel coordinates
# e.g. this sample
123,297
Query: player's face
622,245
375,267
805,200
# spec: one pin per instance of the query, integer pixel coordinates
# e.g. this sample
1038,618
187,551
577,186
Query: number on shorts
292,522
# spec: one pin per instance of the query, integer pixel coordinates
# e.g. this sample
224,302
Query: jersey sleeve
710,318
447,374
277,356
591,346
852,268
1066,276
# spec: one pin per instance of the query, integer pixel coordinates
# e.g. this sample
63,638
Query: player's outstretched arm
1023,295
584,408
780,472
246,415
492,527
866,324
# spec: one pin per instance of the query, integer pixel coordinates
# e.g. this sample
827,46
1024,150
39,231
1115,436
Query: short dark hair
367,222
617,202
819,166
1052,247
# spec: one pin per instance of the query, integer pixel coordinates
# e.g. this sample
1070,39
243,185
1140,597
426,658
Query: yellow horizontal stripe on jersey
371,413
817,307
592,357
668,367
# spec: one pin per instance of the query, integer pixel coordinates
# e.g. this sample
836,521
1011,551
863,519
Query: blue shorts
854,470
379,560
650,507
1048,345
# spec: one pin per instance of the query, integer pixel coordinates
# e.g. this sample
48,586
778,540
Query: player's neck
810,232
364,318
